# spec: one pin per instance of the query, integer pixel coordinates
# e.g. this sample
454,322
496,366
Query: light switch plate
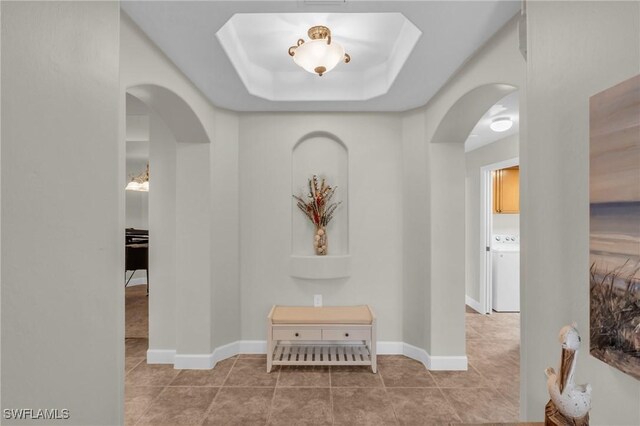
317,300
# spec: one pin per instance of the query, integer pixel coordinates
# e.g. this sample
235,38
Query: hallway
239,391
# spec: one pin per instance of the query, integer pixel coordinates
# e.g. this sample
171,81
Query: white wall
499,61
375,216
576,49
193,249
162,245
447,224
416,234
215,287
434,199
501,150
62,179
225,229
506,223
137,210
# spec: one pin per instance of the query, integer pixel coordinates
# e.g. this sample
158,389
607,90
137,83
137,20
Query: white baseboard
418,354
473,303
194,362
161,356
225,351
205,361
389,348
208,361
449,363
436,362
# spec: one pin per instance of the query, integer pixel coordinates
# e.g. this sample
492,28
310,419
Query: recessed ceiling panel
378,44
402,52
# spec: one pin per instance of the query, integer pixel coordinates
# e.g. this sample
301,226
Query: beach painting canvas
615,226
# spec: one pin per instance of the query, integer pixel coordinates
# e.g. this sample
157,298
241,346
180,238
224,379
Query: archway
449,170
179,228
462,116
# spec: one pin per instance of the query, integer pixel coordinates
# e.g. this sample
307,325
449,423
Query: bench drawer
296,334
346,334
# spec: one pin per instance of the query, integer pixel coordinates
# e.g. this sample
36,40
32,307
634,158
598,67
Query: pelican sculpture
570,403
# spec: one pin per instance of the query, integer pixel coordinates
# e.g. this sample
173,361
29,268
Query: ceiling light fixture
140,182
319,55
501,124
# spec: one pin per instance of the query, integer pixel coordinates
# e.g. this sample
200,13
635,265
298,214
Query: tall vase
320,241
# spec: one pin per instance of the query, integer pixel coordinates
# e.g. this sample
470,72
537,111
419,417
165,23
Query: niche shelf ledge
320,267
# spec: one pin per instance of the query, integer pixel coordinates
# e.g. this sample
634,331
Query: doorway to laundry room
492,293
501,254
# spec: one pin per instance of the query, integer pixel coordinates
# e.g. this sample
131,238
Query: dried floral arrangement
319,209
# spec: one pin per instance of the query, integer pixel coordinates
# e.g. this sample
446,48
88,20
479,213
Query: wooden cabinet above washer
506,190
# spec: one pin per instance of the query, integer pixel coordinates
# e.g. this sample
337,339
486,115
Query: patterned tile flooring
238,391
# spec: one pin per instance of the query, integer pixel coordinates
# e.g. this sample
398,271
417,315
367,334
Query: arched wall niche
464,114
325,155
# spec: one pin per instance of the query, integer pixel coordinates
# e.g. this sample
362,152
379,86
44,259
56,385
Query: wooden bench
328,335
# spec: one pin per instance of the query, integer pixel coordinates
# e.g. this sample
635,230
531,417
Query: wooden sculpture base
553,417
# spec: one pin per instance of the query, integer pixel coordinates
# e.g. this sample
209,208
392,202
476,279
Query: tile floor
238,391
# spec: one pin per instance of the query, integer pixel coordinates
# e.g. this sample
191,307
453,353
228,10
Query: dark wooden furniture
136,253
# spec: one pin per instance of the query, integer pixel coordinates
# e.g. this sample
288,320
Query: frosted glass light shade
318,57
135,186
501,124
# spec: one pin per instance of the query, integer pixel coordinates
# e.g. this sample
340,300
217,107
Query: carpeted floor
238,391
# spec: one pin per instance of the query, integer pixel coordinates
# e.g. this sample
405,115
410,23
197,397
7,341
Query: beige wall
225,229
501,150
576,49
62,211
215,285
437,235
162,247
416,234
447,227
374,216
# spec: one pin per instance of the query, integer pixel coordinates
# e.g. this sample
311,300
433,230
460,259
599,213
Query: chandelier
140,182
319,55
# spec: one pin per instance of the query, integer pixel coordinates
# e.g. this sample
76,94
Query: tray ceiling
378,44
418,48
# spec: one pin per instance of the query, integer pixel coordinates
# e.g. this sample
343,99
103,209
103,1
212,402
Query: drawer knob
297,334
346,334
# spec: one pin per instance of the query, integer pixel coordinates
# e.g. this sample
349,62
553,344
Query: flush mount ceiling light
140,182
319,55
501,124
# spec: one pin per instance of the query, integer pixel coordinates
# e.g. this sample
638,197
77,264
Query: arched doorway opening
492,342
179,195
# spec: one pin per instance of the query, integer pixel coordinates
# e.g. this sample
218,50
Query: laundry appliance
505,277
